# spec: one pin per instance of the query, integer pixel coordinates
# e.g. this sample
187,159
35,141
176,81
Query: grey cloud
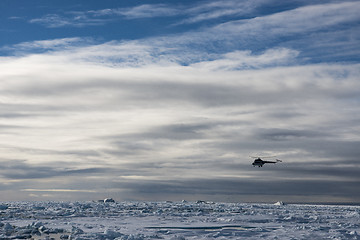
153,140
16,169
35,109
287,134
336,170
177,132
328,148
230,187
210,95
18,115
5,126
343,150
204,94
81,153
150,143
126,145
282,114
301,146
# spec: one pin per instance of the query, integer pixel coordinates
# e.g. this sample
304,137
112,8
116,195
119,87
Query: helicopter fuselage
258,162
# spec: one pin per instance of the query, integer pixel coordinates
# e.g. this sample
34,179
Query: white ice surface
176,221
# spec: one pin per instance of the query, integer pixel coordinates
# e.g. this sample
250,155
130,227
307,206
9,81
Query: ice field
176,221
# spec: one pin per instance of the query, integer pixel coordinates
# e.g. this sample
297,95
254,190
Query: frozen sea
176,221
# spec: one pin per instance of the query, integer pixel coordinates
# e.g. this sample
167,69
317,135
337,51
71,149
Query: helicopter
259,162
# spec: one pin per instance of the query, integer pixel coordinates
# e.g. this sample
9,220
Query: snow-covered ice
176,221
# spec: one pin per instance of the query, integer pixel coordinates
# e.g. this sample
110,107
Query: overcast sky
166,100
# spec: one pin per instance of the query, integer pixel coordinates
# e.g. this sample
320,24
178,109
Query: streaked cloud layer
173,113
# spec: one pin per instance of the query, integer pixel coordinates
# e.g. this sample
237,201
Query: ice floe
280,203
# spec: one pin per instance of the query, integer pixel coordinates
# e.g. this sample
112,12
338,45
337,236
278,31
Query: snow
280,203
176,221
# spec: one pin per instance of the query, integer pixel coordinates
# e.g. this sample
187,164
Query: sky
166,100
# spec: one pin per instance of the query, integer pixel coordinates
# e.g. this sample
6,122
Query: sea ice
280,203
176,221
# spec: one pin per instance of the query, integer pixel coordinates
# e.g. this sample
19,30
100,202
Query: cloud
240,189
315,29
100,17
73,19
149,11
17,169
308,19
103,16
217,9
45,45
287,32
299,17
181,113
287,134
192,13
58,190
247,60
52,20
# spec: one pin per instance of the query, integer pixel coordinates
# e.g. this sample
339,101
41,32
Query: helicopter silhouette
259,162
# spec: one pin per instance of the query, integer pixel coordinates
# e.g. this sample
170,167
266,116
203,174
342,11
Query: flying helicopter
259,162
